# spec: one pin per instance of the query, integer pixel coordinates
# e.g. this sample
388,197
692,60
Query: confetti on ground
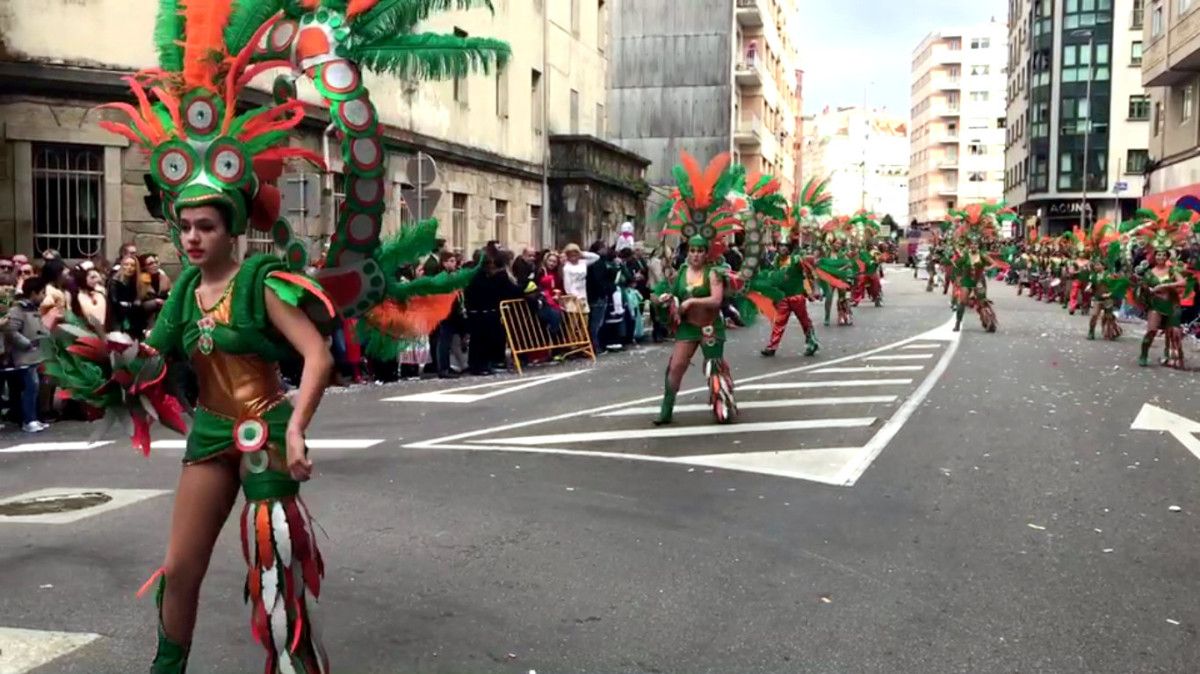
1039,527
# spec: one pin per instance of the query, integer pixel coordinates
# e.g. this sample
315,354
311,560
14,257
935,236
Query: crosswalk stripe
312,444
28,447
903,356
837,383
872,368
685,431
922,346
757,405
24,650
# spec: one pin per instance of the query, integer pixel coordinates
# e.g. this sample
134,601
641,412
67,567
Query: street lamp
1087,130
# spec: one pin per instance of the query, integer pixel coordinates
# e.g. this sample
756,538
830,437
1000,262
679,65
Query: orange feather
692,168
414,318
357,7
204,40
262,530
765,306
704,194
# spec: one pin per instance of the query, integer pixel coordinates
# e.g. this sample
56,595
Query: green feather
168,33
730,179
686,191
407,246
248,16
439,284
431,56
376,344
396,17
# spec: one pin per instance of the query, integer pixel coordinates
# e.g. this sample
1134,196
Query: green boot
171,657
1091,333
1144,358
813,346
666,411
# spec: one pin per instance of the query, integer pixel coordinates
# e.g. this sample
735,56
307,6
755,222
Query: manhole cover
54,503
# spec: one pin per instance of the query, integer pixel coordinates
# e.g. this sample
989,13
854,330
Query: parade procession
456,336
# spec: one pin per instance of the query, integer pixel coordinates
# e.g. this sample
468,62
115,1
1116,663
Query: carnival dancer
835,260
867,257
1161,285
976,229
797,272
1078,271
1105,280
210,170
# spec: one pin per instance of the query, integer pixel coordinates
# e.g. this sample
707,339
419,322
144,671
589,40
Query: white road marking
840,466
905,356
818,465
837,383
872,368
922,346
756,405
25,650
435,443
1153,418
53,447
312,444
119,499
456,395
686,431
892,426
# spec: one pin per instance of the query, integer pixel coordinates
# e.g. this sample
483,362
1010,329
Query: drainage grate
54,503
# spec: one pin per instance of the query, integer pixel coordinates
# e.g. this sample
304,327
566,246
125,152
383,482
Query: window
1187,103
600,120
1086,13
1136,160
575,18
1184,5
1158,118
535,96
981,43
1066,171
501,220
68,199
979,96
460,83
1135,53
1077,65
574,111
1074,115
981,70
458,220
602,27
535,226
977,149
976,176
502,92
1139,107
1156,21
1139,11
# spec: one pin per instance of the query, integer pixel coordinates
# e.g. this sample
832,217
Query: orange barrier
526,333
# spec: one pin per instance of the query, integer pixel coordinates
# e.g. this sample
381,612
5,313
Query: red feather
765,306
414,318
357,7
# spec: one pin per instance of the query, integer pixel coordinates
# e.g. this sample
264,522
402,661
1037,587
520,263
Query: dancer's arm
295,326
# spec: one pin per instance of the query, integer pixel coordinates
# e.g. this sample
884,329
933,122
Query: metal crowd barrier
526,333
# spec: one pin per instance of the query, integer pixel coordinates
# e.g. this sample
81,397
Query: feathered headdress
703,204
978,222
202,151
815,201
1163,230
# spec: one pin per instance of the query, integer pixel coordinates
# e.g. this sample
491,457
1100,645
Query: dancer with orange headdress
1161,281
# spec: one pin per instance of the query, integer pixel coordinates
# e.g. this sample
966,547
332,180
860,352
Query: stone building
65,183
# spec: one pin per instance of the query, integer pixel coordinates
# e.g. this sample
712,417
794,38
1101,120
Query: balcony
948,164
948,139
948,110
749,13
749,73
1173,58
949,83
948,190
749,133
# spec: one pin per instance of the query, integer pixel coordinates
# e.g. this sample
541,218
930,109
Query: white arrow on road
1153,418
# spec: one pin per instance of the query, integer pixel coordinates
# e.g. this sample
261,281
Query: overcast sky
847,44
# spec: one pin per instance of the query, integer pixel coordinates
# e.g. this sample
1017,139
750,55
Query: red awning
1170,197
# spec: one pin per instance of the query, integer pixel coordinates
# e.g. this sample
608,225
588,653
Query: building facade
705,76
957,120
865,156
1171,74
1077,109
67,184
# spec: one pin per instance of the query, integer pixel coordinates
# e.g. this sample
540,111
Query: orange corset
237,385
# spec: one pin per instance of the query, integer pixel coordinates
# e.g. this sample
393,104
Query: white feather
251,539
270,588
314,632
279,636
283,536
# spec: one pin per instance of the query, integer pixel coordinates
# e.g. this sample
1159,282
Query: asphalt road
974,503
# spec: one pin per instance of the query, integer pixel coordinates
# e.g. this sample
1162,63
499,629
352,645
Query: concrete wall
670,80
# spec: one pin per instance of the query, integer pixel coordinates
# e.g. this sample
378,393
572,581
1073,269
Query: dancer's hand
299,467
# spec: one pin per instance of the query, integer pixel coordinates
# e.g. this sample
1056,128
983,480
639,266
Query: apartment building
1076,108
706,76
515,150
1171,74
957,125
865,155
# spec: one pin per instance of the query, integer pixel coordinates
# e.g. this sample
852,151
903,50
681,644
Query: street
910,500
